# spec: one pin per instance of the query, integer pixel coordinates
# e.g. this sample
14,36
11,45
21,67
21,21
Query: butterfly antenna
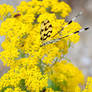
73,19
84,29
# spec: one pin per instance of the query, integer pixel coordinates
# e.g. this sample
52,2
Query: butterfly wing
46,30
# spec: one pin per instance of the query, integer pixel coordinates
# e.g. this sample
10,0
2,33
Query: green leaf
44,89
58,15
64,83
22,85
69,44
48,9
54,86
21,55
25,36
40,65
36,17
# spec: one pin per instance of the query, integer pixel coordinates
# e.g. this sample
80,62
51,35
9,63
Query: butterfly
46,30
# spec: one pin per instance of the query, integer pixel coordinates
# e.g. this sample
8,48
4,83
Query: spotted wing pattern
46,30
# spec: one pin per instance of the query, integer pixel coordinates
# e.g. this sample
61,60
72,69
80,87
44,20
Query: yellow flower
5,11
70,29
78,89
49,90
9,90
67,76
88,87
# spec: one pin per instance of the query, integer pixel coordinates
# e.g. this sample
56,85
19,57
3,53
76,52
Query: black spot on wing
41,38
48,35
50,25
44,38
46,28
45,34
41,31
42,21
50,31
45,22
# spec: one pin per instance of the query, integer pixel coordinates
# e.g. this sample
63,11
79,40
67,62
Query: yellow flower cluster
66,75
14,90
5,11
34,68
28,77
23,77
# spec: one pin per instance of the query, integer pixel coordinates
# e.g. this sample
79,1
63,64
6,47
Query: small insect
46,30
17,15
